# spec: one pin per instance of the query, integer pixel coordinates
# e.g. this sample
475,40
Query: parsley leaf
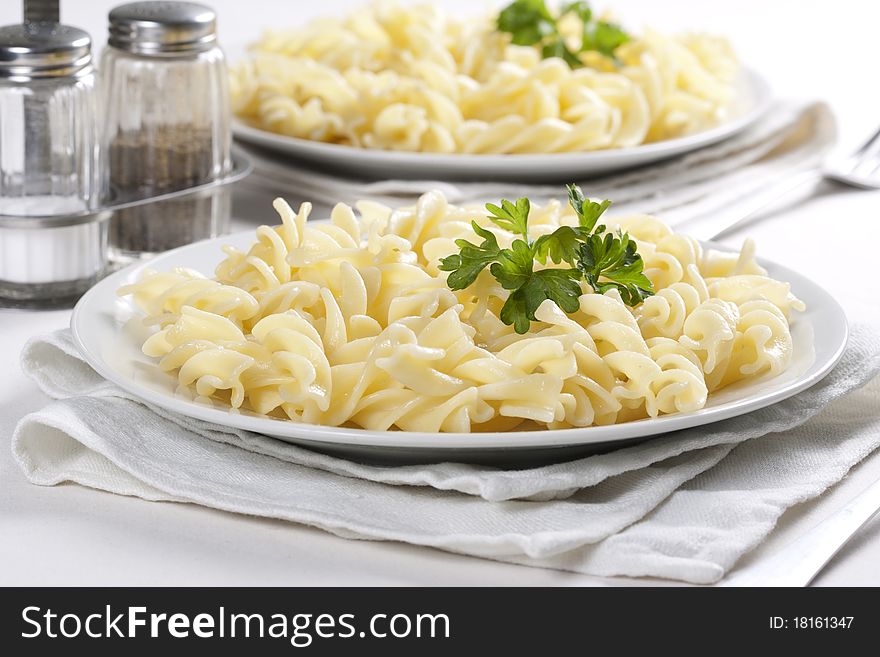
558,285
603,37
515,311
467,264
514,266
588,212
530,23
562,245
514,218
611,262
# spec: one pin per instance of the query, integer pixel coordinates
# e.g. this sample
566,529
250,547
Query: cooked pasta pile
351,323
417,79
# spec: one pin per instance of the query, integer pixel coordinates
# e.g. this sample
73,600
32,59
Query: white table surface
72,535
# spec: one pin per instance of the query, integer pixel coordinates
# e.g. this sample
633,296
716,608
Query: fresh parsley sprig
513,268
604,261
530,23
611,262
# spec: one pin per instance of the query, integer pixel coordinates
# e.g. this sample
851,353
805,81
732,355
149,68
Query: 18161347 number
811,622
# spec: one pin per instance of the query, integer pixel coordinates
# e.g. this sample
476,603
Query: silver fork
860,169
800,561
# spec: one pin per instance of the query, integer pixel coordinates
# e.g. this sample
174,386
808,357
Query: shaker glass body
49,166
167,128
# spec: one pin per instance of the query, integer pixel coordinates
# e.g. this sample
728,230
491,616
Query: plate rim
296,147
287,430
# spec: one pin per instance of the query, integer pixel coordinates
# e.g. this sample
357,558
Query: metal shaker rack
241,167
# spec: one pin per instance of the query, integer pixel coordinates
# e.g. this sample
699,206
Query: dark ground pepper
168,158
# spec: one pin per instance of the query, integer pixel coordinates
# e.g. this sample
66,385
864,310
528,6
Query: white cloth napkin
791,136
683,506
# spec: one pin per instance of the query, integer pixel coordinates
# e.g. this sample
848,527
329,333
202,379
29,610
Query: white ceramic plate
752,100
109,332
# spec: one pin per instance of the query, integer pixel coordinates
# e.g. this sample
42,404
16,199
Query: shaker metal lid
162,28
41,50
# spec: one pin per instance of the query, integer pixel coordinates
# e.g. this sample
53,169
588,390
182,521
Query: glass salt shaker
167,126
52,246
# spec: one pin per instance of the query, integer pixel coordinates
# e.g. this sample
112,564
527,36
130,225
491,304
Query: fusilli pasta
414,78
350,323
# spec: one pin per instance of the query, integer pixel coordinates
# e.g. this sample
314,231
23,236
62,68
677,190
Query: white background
72,535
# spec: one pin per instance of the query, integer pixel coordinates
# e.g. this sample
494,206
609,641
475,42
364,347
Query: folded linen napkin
683,506
790,137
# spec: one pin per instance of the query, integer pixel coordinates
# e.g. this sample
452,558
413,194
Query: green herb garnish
530,23
471,260
612,262
604,261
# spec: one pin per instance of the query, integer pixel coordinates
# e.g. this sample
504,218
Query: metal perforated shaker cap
43,50
162,28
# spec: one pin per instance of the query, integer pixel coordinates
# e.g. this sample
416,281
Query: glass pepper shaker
167,125
52,244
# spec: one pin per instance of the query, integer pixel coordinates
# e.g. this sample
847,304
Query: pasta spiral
349,322
414,78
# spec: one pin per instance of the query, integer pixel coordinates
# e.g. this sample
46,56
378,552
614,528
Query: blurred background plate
752,100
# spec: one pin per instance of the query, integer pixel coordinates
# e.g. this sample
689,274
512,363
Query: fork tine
874,170
858,170
871,146
865,162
